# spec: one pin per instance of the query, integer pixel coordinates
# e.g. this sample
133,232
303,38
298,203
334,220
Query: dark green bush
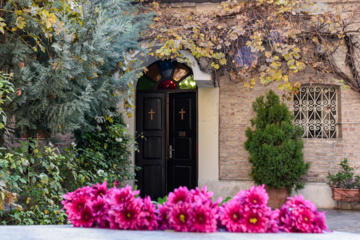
275,145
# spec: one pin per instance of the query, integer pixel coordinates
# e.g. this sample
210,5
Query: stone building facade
224,112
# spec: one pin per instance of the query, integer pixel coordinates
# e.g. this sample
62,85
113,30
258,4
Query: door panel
151,122
182,176
152,113
183,148
159,173
152,148
182,166
182,113
153,181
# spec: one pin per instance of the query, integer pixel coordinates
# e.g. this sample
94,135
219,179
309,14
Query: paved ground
344,223
343,220
70,233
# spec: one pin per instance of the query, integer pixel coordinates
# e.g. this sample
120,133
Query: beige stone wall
323,154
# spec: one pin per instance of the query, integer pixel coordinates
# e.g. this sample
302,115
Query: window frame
307,133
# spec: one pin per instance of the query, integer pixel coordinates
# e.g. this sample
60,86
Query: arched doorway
166,115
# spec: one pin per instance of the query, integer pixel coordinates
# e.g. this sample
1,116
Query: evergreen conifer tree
68,59
275,145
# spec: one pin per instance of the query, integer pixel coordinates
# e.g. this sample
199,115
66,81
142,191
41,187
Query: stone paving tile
343,220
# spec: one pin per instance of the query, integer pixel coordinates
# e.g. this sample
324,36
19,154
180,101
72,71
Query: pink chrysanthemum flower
85,218
180,217
129,216
121,196
116,183
111,220
300,215
299,201
76,206
100,208
204,218
163,218
273,223
204,196
149,220
255,196
320,222
99,189
255,221
181,194
304,219
80,192
231,216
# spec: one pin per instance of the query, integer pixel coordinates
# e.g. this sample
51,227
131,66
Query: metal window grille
315,109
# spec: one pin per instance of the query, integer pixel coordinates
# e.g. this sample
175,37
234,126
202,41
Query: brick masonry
323,154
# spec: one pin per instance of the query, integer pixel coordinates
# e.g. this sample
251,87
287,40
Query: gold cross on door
151,114
182,112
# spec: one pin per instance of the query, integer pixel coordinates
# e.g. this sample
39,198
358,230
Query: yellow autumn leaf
292,67
285,78
51,19
20,22
2,25
222,61
281,86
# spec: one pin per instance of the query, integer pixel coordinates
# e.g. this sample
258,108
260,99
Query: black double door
167,154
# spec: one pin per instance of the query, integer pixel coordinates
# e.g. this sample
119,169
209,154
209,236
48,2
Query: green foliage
224,201
345,178
6,87
69,58
275,145
33,178
105,152
34,174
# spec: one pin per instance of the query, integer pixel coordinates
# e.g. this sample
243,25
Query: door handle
170,151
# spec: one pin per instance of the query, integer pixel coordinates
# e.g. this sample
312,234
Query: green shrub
33,178
107,149
33,174
275,145
345,178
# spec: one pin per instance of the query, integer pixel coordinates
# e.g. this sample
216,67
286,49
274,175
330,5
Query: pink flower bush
248,212
189,211
300,215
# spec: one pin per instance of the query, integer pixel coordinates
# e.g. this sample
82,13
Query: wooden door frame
167,93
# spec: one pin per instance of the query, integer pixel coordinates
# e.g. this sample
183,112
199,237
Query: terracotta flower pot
277,197
347,195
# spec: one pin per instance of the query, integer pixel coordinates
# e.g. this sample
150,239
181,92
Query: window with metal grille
316,110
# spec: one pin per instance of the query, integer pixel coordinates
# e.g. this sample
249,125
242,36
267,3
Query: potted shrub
275,146
344,184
